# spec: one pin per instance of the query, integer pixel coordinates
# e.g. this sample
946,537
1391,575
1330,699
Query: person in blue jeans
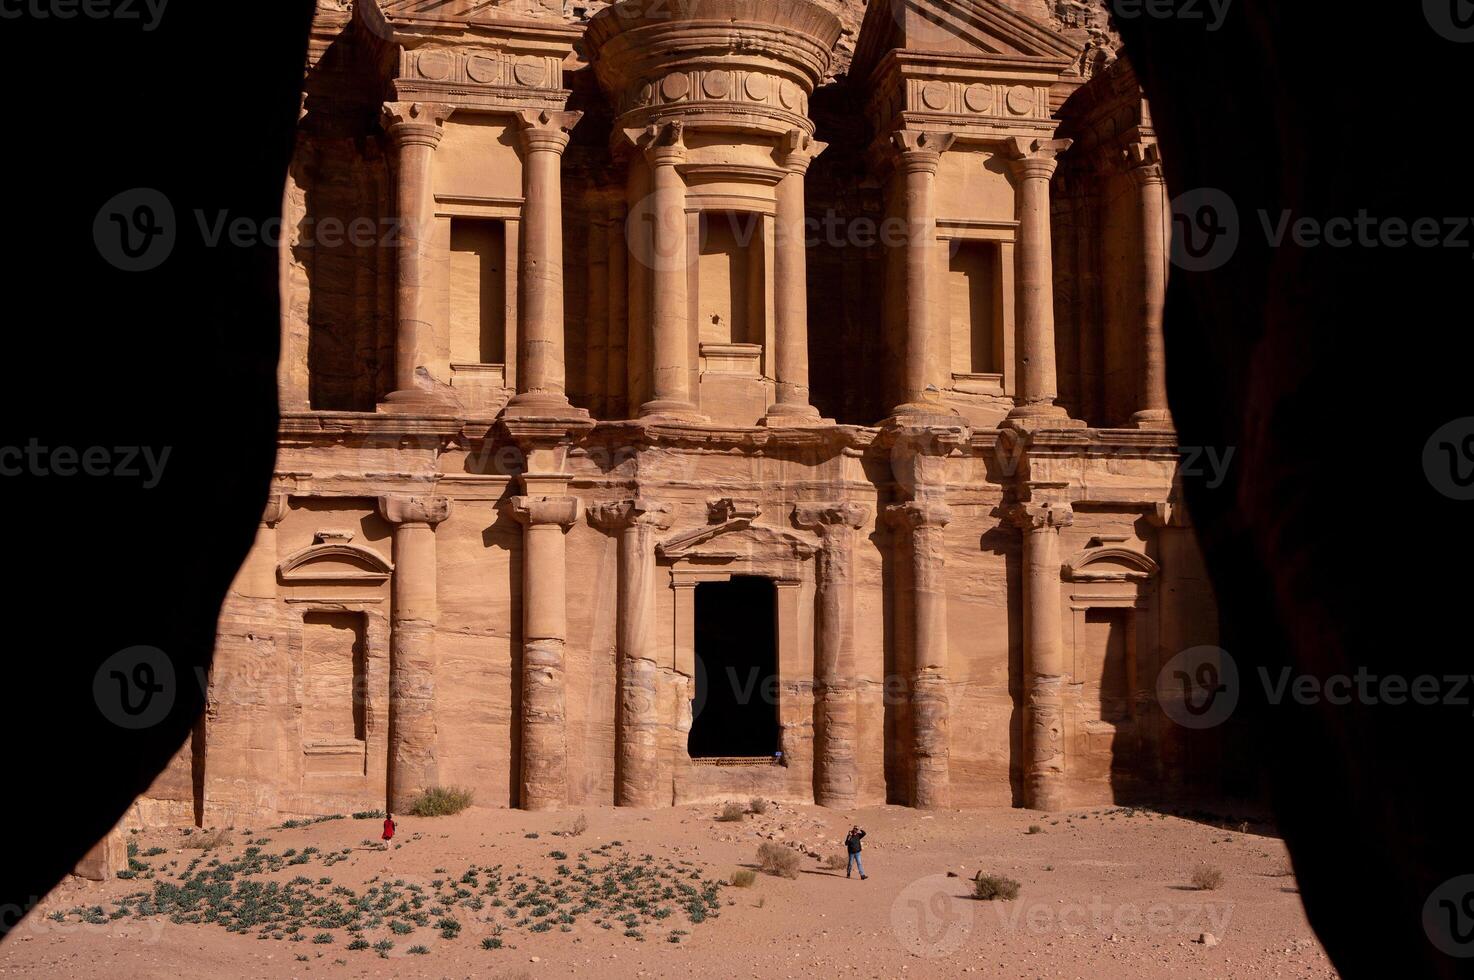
852,845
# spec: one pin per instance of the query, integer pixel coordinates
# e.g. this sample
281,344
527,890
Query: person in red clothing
388,826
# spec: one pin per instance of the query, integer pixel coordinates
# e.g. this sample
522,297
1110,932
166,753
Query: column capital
797,149
1040,514
1143,162
416,123
831,514
397,509
275,509
664,144
617,515
540,511
545,129
1034,158
919,149
915,514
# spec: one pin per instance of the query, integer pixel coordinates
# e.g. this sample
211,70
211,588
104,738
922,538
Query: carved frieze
480,77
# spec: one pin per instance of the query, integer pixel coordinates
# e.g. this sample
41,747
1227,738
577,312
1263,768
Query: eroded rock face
647,303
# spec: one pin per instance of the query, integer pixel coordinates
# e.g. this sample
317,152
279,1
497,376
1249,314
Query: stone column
1044,754
930,726
616,406
637,731
670,317
541,381
919,154
544,775
1145,167
836,781
791,285
596,366
1033,162
415,129
413,764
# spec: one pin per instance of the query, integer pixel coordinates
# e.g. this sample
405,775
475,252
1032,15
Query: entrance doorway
736,707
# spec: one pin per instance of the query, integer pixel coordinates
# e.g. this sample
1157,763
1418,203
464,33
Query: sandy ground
1105,893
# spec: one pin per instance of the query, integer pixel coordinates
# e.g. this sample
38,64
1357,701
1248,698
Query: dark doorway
736,708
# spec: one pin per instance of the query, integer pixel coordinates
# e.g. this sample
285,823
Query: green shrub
440,801
991,887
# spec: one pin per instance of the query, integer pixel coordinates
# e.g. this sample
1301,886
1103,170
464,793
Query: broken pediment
738,538
332,557
979,28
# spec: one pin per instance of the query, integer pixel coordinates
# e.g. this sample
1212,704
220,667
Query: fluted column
544,773
637,731
413,760
1033,162
415,130
1145,167
791,285
919,155
836,777
616,405
1044,753
670,317
930,736
541,380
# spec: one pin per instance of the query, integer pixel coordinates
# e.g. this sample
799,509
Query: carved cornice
397,509
732,509
1110,562
332,557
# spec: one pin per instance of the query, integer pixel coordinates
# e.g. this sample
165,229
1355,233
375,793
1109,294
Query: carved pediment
332,557
735,539
1110,562
985,28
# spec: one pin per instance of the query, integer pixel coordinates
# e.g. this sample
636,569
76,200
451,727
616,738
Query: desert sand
1104,892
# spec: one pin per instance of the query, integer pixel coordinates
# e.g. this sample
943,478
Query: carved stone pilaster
836,774
637,722
544,775
928,674
1044,745
414,615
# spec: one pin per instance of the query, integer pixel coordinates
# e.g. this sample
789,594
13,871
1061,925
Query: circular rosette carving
530,72
935,95
434,65
1020,100
675,87
758,87
483,68
979,98
717,84
790,94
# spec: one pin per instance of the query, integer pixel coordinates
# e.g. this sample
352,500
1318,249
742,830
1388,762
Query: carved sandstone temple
675,385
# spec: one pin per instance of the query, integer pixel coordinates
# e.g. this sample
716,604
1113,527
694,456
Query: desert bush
775,859
731,813
579,825
1035,829
205,841
744,878
837,862
757,805
1206,878
991,887
441,801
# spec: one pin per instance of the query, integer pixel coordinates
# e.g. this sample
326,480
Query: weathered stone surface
507,467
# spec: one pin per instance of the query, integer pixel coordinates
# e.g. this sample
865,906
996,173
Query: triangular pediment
980,28
737,539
